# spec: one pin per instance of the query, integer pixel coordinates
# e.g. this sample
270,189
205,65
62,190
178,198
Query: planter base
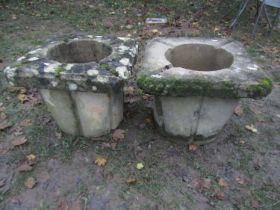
84,113
192,117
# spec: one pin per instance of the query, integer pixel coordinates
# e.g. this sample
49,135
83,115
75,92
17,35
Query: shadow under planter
197,84
81,80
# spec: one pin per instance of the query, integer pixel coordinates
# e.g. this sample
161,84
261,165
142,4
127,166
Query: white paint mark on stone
34,51
123,48
68,67
11,83
124,38
253,67
76,38
21,58
94,88
72,86
51,68
123,72
156,76
102,79
54,83
33,59
92,72
125,62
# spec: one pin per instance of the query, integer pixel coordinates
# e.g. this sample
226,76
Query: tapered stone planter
197,84
80,80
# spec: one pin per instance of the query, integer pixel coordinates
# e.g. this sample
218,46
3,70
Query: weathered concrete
197,83
81,80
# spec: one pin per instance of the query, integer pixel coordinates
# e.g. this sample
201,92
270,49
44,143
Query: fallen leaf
25,123
2,116
19,141
139,166
251,128
77,205
255,204
131,180
30,182
206,183
118,134
31,157
23,98
193,147
220,195
238,110
63,205
130,90
2,182
4,124
155,31
100,161
25,166
242,142
240,179
222,182
15,200
3,151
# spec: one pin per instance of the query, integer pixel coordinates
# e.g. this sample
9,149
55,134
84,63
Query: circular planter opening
82,51
200,57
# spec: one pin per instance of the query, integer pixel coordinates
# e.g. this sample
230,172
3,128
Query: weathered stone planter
197,84
80,79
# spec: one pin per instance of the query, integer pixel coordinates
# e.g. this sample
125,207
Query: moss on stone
172,86
262,89
58,70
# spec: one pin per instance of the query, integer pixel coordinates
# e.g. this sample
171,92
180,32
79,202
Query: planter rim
37,69
242,79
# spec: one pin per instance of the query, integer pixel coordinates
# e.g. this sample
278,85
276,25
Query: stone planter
80,79
197,84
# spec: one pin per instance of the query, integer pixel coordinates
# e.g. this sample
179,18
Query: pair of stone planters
80,80
196,82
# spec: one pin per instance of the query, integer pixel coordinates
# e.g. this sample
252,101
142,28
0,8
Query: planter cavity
197,84
80,79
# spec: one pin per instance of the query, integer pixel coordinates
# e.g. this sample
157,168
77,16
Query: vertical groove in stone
198,117
76,113
110,107
159,112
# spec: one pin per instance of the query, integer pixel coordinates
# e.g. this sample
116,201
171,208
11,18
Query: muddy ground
240,170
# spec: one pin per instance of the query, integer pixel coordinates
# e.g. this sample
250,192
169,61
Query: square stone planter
80,79
197,83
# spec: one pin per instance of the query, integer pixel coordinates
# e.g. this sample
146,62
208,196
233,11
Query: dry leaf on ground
25,166
100,161
240,179
22,98
3,151
220,195
19,141
4,124
238,110
118,134
30,182
201,182
223,182
2,116
193,147
2,182
131,180
25,123
255,204
139,166
31,157
251,128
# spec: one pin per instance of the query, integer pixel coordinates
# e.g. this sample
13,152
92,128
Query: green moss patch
172,86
